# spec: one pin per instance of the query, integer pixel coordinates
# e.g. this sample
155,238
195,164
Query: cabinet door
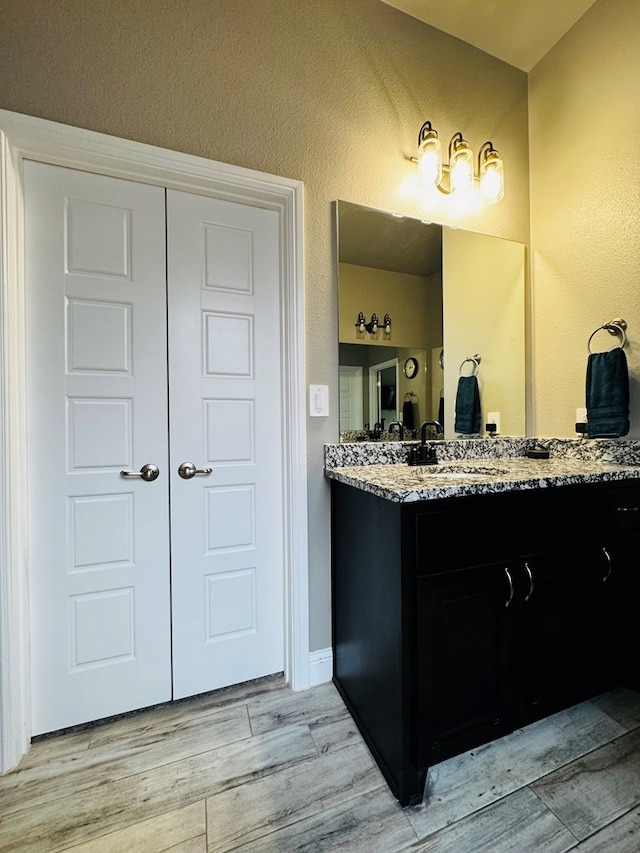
558,630
619,593
465,694
619,586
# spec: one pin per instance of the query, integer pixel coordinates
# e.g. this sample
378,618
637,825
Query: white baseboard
320,666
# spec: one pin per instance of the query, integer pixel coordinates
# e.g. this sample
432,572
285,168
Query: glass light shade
492,180
462,171
430,162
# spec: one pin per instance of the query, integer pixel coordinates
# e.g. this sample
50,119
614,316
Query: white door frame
24,137
354,372
374,397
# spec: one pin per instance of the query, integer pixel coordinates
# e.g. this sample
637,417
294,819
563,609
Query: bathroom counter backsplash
479,466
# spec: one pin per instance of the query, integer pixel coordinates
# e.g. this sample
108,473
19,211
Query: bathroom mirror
448,294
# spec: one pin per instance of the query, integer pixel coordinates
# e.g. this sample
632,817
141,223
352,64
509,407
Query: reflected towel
467,406
607,394
441,410
408,421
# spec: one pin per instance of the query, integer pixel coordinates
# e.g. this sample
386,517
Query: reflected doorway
351,388
383,393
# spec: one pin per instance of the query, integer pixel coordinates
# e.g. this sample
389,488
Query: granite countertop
454,477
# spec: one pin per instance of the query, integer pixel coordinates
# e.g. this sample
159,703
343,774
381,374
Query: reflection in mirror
449,294
383,384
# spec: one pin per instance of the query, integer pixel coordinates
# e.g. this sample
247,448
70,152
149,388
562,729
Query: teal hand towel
607,394
468,415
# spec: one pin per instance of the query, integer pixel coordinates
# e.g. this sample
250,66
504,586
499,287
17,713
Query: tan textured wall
404,297
484,280
585,207
331,92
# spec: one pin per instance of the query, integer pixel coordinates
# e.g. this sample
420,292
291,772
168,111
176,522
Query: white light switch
494,418
319,401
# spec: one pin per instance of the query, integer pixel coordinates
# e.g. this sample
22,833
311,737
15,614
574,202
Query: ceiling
519,32
382,240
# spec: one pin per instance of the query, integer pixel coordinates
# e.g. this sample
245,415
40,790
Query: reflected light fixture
460,168
374,324
372,327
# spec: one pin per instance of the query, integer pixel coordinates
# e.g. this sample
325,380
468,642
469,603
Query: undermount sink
462,471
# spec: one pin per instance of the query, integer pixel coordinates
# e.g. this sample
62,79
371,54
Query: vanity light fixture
460,169
374,324
372,327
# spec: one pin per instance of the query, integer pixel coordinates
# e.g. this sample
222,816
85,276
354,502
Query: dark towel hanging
408,420
468,415
607,394
441,410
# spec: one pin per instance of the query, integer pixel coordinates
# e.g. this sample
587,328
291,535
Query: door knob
188,470
147,472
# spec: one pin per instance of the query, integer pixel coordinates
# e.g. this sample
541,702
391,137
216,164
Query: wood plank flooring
260,768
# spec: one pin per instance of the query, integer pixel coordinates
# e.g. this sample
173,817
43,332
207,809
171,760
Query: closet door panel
97,405
224,356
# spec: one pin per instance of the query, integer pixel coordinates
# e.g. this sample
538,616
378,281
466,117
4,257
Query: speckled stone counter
479,466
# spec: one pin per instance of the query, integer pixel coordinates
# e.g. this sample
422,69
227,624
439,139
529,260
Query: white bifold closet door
153,340
224,391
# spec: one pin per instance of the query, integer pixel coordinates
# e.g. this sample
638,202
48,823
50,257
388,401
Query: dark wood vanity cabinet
458,620
465,645
618,651
558,631
501,646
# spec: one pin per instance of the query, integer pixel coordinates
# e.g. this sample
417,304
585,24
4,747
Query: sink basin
462,471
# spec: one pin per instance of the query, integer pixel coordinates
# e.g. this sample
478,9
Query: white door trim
24,137
374,397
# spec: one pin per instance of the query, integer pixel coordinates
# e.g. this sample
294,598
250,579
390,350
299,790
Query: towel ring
616,326
476,359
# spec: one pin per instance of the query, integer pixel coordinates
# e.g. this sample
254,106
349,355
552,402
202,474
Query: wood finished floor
259,768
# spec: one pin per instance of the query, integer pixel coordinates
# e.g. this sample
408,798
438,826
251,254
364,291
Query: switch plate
494,418
319,401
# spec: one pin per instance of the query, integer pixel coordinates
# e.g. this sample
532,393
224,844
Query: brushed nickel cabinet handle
609,565
530,573
508,575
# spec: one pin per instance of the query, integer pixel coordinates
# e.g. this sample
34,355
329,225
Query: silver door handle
188,470
147,472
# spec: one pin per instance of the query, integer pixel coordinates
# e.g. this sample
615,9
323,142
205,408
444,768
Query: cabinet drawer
497,527
619,510
461,536
554,518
